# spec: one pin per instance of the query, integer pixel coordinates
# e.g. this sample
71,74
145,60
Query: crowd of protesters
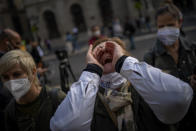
115,92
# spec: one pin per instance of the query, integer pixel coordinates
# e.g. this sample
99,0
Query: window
51,25
78,18
106,11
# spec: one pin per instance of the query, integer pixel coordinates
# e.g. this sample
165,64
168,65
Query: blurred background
51,22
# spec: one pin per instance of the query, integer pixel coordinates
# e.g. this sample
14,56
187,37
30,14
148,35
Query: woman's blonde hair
23,58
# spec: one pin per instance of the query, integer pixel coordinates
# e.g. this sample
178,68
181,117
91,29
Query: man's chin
108,68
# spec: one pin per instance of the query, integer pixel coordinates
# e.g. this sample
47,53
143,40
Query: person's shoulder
10,108
149,56
189,43
11,104
55,93
153,52
61,94
192,44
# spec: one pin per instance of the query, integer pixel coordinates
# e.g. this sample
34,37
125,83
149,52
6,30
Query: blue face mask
168,35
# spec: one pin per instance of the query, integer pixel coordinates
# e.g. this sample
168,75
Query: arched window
17,23
106,11
51,25
78,17
15,17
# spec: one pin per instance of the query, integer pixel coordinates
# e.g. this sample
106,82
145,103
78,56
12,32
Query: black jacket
39,115
158,57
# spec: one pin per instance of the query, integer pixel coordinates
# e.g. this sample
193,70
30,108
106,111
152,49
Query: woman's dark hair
169,7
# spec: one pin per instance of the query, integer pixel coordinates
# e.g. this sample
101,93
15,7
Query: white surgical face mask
18,87
168,35
112,81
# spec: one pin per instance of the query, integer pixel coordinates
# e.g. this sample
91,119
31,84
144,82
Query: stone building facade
13,15
51,19
54,18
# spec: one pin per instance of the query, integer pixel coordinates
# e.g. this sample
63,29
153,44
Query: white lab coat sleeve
168,97
75,113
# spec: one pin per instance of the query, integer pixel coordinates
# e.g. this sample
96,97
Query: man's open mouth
107,61
107,58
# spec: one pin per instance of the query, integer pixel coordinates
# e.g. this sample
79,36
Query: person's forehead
14,68
165,18
104,43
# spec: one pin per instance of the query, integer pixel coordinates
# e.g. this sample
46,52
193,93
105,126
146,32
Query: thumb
90,49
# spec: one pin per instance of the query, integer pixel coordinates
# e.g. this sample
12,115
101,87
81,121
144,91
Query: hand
118,52
193,82
98,53
90,58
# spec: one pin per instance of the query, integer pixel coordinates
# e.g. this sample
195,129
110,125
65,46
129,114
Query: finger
110,47
95,54
94,50
100,54
117,46
90,49
97,51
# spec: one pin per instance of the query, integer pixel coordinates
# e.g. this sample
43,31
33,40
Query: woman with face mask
32,105
173,53
95,34
116,92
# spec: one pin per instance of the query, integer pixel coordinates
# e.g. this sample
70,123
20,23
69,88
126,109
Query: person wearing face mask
32,105
9,40
116,92
174,54
117,28
96,34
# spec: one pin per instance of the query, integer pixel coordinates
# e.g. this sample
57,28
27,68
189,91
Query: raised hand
90,58
117,53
